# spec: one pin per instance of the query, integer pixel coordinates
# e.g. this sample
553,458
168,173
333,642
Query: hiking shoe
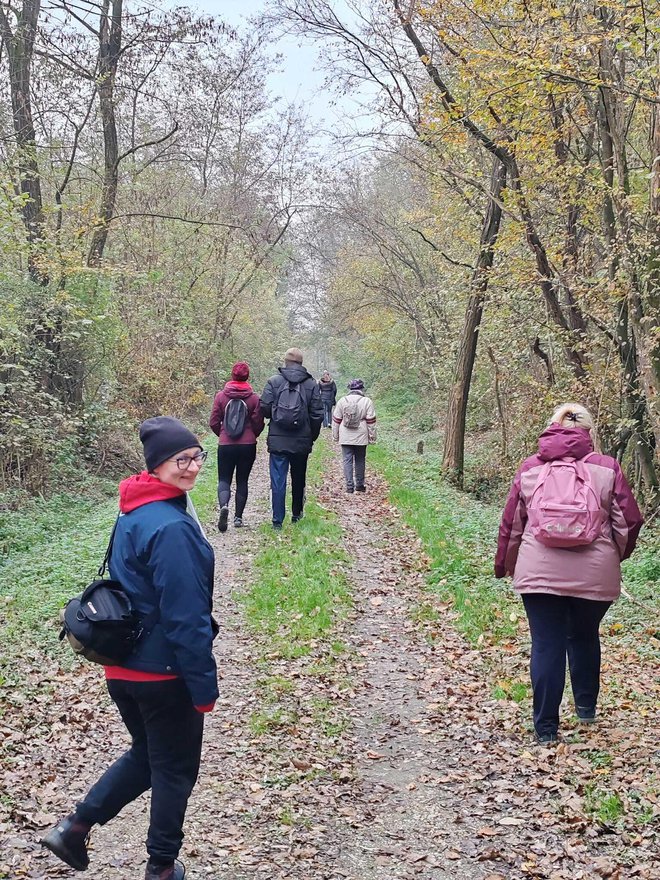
360,488
222,521
585,716
297,517
68,841
277,526
544,739
350,490
173,871
238,522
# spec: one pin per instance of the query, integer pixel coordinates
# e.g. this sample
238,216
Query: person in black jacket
328,389
164,688
292,402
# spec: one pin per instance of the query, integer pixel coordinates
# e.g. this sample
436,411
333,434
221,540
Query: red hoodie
143,488
254,423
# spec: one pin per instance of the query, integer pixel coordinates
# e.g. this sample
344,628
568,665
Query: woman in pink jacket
569,521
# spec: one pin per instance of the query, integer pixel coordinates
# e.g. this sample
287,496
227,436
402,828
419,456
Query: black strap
104,565
148,621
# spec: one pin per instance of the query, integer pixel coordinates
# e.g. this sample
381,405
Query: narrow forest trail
378,756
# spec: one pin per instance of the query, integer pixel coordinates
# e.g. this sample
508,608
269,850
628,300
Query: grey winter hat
356,385
162,437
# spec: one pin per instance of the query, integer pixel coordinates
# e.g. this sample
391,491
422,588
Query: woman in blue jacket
164,562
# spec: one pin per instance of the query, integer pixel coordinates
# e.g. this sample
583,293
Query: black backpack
290,408
101,624
235,416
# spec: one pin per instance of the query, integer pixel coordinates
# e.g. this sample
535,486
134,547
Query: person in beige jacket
354,427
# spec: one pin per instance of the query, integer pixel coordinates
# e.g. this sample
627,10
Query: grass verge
458,535
299,586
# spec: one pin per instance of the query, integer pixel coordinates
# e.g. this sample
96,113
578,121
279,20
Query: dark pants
237,457
164,756
354,458
280,462
327,413
561,626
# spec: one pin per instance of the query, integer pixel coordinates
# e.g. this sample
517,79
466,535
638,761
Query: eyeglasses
183,461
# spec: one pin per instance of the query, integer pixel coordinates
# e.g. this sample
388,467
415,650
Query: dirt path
379,756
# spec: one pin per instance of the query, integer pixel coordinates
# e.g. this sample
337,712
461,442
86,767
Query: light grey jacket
365,432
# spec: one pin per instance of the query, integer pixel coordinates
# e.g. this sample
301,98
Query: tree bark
545,357
501,410
110,35
453,459
20,48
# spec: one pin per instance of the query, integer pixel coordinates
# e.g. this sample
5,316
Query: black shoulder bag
101,624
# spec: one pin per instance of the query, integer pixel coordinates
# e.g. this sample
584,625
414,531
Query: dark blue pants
166,732
327,413
280,462
563,626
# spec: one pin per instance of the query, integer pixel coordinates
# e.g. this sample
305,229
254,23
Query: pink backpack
565,510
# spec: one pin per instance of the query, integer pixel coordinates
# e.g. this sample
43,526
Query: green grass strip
458,534
299,586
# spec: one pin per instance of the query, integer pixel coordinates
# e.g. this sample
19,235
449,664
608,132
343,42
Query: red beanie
240,372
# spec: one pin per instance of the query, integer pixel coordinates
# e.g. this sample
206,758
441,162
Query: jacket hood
295,373
143,488
559,442
237,389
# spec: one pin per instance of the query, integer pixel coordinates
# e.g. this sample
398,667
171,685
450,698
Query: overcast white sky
301,78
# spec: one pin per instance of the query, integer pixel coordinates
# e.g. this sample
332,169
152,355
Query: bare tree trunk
501,411
453,458
110,34
20,47
545,357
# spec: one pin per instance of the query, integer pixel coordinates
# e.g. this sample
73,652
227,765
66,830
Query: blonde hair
572,415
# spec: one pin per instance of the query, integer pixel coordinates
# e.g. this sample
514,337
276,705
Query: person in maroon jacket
237,420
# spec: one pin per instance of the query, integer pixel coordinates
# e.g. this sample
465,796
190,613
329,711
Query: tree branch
153,143
440,251
198,222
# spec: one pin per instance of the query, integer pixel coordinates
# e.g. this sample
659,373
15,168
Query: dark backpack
101,624
236,413
290,408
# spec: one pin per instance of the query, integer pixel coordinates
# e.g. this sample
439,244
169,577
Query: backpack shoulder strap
106,559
